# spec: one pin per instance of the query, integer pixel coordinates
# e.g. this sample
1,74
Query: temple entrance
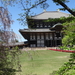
40,40
40,43
48,43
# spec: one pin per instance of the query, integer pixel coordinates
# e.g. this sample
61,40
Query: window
38,36
40,43
47,37
59,37
32,37
45,25
37,25
51,36
41,25
49,26
42,36
55,38
32,45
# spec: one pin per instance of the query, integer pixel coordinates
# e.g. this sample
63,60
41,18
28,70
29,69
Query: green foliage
68,68
9,59
62,19
68,44
69,33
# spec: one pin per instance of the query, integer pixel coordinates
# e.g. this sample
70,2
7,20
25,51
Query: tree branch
36,5
65,6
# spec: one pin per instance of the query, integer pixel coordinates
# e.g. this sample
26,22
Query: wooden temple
41,33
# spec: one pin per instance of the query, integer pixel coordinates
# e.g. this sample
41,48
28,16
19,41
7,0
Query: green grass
43,62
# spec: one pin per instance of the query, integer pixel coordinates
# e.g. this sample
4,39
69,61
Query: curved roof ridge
44,12
50,14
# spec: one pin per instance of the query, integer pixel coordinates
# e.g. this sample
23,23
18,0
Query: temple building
42,33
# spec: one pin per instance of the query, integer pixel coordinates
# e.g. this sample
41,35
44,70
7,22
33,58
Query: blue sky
18,9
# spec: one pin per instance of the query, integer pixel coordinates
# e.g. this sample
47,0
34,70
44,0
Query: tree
68,41
7,56
29,4
69,33
65,7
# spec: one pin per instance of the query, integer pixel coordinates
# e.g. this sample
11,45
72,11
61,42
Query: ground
41,61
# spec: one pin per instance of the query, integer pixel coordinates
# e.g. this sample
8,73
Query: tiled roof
50,14
35,30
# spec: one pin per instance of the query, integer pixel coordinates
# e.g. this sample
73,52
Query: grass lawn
42,62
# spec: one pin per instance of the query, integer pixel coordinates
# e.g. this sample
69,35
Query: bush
8,58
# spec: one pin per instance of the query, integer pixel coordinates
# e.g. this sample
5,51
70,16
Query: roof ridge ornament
58,10
44,10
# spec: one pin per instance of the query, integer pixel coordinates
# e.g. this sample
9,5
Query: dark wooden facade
44,39
42,34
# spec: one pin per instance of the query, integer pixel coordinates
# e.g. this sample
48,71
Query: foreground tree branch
36,5
65,6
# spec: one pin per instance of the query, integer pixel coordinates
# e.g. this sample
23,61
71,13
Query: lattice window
42,41
37,25
45,25
55,38
32,37
42,45
42,36
41,25
38,36
32,45
49,26
47,37
38,45
51,36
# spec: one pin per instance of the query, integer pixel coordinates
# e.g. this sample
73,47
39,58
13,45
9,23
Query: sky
17,9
